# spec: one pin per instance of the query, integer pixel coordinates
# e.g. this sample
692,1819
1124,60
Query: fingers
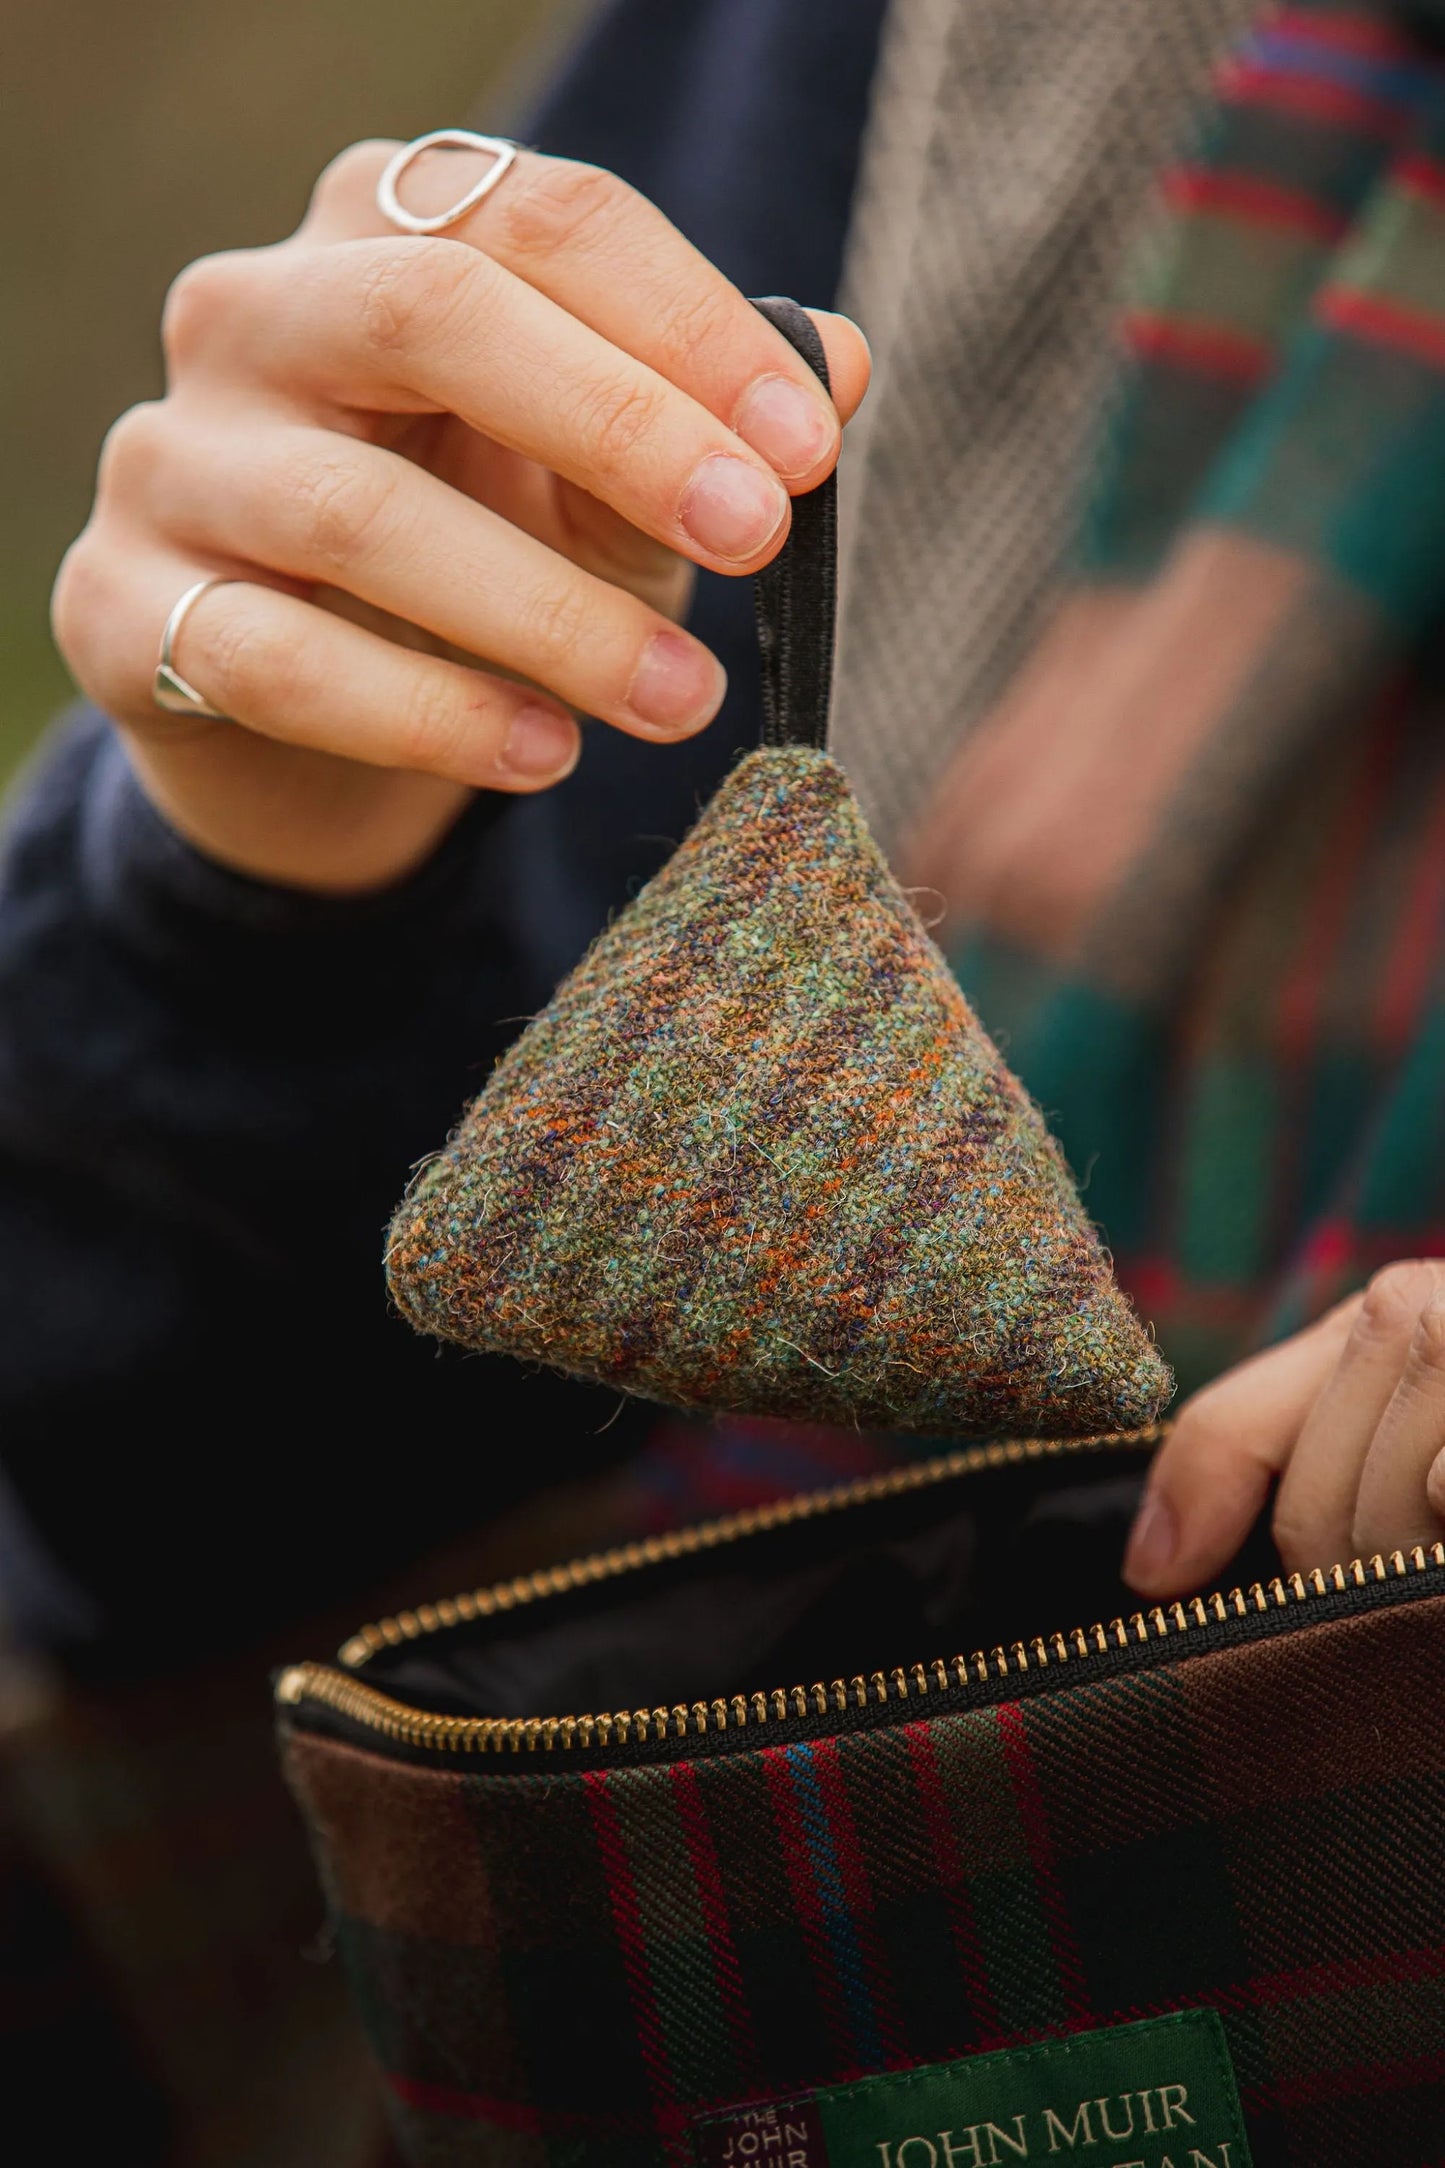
1401,1499
285,668
1351,1413
565,518
430,326
1211,1476
322,507
1315,1515
575,328
613,260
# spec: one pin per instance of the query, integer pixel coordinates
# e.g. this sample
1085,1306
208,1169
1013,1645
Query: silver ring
503,151
169,689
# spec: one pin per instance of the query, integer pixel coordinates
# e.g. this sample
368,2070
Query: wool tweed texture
759,1155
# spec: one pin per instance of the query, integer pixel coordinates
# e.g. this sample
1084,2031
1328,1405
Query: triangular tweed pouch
758,1153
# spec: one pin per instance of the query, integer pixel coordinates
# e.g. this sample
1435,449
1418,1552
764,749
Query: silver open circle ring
503,152
169,689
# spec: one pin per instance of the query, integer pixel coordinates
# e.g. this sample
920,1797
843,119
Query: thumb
1211,1476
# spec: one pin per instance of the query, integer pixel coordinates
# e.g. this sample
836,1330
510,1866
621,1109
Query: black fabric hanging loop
797,594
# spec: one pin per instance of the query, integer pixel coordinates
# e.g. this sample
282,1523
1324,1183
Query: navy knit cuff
138,867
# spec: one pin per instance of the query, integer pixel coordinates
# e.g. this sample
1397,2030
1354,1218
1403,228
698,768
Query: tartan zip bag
1164,1889
830,1835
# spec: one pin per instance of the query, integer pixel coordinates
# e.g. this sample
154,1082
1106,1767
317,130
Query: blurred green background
141,133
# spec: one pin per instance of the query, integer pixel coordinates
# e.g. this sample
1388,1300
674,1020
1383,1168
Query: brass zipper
339,1689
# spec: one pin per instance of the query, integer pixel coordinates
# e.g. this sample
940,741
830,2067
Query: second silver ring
169,689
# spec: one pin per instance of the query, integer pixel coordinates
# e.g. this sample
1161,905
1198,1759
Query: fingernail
791,427
1153,1541
731,509
540,744
677,684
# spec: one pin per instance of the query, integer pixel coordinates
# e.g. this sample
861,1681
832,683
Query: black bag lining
977,1561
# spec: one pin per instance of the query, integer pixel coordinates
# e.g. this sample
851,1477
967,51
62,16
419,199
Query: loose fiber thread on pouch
759,1155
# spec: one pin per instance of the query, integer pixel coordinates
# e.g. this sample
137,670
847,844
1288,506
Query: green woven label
1160,2094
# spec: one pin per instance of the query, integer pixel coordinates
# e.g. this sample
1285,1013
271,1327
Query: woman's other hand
462,482
1348,1415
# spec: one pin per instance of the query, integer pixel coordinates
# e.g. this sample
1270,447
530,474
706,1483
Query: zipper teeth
396,1720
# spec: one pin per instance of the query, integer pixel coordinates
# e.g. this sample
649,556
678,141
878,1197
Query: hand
511,443
1349,1415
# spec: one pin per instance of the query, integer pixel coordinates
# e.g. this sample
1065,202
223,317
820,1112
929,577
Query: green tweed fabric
759,1155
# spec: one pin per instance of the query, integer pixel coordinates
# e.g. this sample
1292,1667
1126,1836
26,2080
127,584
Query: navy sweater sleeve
211,1091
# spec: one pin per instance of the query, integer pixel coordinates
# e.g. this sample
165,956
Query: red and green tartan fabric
563,1969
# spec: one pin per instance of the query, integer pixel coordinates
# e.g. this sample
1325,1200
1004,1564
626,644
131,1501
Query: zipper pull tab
797,594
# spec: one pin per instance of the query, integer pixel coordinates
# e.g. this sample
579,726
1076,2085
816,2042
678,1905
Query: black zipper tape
313,1715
